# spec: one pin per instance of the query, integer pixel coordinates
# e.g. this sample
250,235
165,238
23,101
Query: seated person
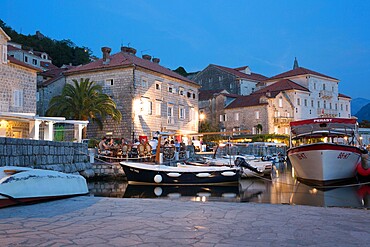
103,147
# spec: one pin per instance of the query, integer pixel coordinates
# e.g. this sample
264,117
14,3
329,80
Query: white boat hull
22,184
324,162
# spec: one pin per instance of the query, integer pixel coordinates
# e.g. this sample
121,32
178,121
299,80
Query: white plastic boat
19,185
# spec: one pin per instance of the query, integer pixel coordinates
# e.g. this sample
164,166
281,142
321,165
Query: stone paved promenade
92,221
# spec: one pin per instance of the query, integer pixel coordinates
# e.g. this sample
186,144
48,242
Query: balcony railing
327,112
326,94
282,120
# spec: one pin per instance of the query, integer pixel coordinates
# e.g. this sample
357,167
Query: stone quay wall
68,157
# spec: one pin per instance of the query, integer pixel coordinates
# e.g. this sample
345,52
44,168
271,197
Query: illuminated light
313,191
202,116
204,198
325,139
3,123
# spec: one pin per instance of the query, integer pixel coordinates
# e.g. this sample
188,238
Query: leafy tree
61,52
181,71
84,100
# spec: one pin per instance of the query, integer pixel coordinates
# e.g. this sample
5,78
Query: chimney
155,60
129,50
147,57
106,53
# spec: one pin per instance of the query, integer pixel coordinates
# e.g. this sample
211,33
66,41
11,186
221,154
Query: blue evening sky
330,37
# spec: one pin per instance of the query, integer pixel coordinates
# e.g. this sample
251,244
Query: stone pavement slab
94,221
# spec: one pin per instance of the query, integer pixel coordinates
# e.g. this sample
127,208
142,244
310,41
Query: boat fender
174,174
362,171
157,178
203,175
228,174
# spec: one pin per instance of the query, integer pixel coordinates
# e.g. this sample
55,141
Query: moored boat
20,185
324,150
181,174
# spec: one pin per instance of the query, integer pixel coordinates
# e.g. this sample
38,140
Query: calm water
281,188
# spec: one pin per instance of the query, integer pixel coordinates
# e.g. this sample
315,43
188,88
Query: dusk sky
330,37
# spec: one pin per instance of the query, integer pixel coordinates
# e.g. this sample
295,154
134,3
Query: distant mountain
363,113
357,104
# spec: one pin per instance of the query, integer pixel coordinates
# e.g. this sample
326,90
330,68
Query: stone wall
108,170
65,157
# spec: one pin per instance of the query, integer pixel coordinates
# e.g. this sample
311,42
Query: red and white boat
324,150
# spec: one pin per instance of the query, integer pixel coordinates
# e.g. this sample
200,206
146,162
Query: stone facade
148,99
47,92
239,81
65,157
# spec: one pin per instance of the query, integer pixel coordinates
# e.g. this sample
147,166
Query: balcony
327,112
282,120
325,94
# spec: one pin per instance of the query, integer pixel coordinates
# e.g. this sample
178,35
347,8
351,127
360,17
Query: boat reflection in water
352,196
281,188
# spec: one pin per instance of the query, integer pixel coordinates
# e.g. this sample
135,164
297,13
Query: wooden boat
181,174
20,185
325,150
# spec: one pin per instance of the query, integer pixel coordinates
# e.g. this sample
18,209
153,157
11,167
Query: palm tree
84,100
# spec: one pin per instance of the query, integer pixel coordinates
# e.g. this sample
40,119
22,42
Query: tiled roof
207,94
124,59
237,73
48,65
343,96
245,101
15,61
13,48
282,85
299,71
53,72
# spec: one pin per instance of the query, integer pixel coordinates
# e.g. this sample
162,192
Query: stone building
236,81
321,97
18,117
150,96
36,59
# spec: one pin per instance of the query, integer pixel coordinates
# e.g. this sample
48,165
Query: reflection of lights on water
174,195
229,195
200,199
204,194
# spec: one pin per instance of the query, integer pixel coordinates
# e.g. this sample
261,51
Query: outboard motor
241,162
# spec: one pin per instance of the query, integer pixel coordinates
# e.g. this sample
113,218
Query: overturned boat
21,185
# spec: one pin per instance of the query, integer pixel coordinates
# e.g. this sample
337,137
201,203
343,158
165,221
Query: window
18,98
189,94
109,82
193,95
223,118
149,107
312,103
314,86
191,114
305,102
170,119
324,104
346,107
236,131
34,61
144,82
280,102
341,107
336,106
170,88
181,113
25,59
330,106
158,86
298,101
158,108
323,86
37,96
257,113
220,78
5,53
318,104
181,91
236,116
